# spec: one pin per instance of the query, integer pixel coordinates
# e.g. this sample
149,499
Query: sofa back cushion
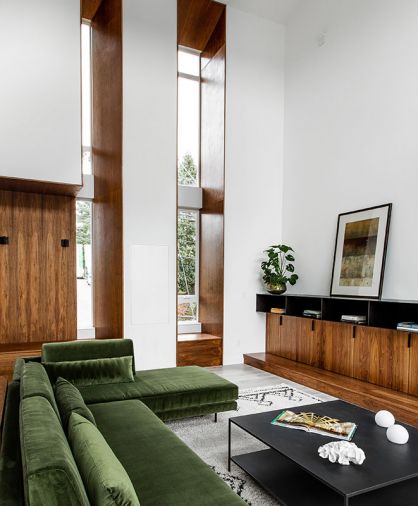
35,383
69,399
51,476
106,481
98,371
88,349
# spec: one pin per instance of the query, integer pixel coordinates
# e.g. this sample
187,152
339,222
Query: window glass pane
188,131
189,63
187,263
84,265
187,312
86,97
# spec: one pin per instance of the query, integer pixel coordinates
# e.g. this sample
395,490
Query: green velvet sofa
129,415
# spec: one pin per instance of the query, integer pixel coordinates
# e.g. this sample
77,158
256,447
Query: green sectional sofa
39,461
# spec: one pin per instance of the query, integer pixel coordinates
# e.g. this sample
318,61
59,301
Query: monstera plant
278,269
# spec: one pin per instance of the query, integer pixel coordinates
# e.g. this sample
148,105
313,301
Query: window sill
88,333
189,328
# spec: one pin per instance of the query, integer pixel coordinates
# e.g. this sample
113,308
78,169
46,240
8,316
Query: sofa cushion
88,349
106,480
70,400
98,371
164,390
163,470
50,473
35,382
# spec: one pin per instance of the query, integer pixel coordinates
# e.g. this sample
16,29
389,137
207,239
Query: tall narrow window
86,97
84,206
189,201
84,265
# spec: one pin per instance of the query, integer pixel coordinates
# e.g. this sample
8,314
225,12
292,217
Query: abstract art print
360,252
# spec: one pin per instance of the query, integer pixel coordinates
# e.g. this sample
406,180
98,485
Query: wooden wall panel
212,182
37,275
107,163
196,21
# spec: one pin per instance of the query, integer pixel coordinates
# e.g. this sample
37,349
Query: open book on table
318,424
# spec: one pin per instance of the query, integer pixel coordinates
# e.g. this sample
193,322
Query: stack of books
354,318
312,313
278,310
407,326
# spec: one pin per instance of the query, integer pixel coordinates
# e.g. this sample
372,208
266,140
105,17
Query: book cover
317,424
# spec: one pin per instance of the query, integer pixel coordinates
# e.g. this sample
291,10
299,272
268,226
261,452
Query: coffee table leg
229,445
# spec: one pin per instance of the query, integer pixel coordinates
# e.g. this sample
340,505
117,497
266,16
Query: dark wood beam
107,163
196,21
89,8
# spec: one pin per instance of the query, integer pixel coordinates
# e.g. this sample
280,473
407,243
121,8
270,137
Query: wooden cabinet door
381,356
281,335
289,330
337,347
273,327
309,341
413,365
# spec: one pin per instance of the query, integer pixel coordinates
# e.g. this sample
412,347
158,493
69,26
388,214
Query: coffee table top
386,463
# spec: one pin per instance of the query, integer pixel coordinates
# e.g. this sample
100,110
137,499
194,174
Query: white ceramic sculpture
397,434
384,418
342,452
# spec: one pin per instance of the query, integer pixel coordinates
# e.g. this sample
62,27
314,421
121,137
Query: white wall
253,172
149,176
40,125
351,123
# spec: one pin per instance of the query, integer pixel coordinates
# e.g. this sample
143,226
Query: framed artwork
360,252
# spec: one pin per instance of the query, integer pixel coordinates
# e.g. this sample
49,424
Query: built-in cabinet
376,354
40,97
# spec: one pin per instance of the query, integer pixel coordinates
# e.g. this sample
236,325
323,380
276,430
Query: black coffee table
292,471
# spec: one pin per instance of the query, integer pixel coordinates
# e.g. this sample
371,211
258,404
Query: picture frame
360,252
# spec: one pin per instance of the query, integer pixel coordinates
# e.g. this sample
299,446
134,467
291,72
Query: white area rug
210,440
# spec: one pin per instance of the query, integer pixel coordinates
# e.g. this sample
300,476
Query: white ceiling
275,10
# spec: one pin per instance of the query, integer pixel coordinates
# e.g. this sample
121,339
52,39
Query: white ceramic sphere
384,418
397,434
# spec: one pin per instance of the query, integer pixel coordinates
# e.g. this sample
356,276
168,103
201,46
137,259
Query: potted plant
279,270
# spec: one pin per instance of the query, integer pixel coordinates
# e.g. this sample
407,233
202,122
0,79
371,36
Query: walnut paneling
107,162
10,352
89,8
196,21
211,283
206,351
43,187
413,365
337,347
37,275
308,334
273,327
381,356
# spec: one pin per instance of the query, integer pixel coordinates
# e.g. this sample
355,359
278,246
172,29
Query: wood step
374,397
204,350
